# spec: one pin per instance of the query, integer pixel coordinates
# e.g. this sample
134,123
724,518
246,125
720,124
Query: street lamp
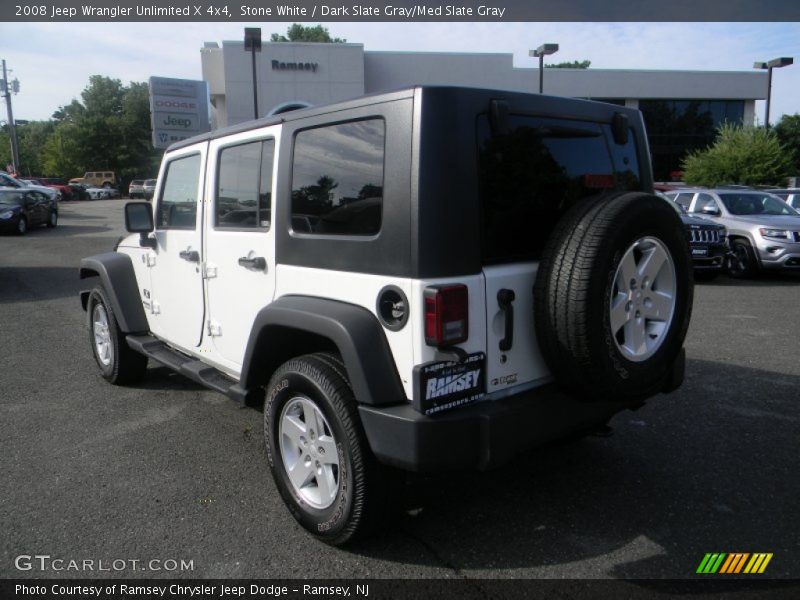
540,53
775,63
252,42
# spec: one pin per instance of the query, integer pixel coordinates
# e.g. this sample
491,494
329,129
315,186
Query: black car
708,242
23,209
709,246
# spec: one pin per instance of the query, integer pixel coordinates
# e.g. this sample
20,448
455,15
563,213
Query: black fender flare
294,325
115,271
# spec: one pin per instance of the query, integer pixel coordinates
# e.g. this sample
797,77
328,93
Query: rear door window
244,186
532,175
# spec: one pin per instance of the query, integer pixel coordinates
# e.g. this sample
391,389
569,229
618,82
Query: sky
53,61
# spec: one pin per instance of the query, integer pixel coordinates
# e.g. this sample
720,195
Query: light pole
540,53
252,42
775,63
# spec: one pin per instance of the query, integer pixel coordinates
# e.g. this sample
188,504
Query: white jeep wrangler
434,278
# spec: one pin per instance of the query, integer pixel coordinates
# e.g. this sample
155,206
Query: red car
57,184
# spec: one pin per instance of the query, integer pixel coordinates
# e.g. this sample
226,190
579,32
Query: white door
240,240
177,302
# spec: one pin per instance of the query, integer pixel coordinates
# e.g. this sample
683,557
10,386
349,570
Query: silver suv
764,231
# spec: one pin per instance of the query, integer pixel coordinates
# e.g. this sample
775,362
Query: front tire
318,453
742,265
22,226
117,362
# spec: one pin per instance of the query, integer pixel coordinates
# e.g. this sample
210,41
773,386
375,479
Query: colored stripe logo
734,563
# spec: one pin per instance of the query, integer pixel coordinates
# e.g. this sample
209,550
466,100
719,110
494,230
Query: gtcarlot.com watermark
47,563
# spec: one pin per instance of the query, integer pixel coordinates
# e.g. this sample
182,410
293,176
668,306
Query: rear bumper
488,434
480,436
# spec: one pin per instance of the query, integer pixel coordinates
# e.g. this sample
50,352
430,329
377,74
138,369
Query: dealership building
681,108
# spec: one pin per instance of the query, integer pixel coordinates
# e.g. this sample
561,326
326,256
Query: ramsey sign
178,109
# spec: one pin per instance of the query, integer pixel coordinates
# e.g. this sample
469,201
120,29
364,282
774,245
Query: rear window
532,175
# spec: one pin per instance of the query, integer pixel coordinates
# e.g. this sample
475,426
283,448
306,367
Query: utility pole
11,126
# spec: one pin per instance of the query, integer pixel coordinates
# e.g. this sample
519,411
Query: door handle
504,300
258,263
190,255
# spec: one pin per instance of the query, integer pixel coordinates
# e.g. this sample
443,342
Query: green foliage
61,152
298,33
788,132
108,129
740,155
575,64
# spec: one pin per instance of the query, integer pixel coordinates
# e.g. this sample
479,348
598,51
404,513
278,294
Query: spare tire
613,296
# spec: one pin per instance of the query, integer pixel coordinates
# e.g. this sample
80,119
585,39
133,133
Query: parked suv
106,179
790,195
148,189
764,231
136,189
428,279
708,243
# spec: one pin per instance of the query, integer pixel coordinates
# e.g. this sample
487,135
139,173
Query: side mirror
139,219
710,210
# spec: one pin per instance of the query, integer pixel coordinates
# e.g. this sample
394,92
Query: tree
788,132
60,154
30,137
740,155
575,64
298,33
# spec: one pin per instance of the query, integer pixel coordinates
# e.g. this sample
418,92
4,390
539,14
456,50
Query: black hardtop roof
549,104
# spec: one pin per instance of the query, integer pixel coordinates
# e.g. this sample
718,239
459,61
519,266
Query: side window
337,179
177,205
244,186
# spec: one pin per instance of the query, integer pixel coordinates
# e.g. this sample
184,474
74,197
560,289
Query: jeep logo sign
294,66
177,121
178,109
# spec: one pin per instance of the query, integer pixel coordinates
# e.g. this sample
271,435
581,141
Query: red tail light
446,315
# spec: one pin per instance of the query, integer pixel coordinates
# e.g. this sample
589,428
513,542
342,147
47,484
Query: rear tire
52,220
613,297
742,265
117,362
337,498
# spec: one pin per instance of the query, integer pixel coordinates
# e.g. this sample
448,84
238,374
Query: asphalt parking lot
168,470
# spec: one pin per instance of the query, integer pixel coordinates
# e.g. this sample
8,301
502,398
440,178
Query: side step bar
192,368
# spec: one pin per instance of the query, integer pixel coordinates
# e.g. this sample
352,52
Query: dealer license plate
699,251
444,385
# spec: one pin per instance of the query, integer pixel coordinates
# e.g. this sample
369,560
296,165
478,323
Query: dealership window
337,179
244,186
177,206
677,127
